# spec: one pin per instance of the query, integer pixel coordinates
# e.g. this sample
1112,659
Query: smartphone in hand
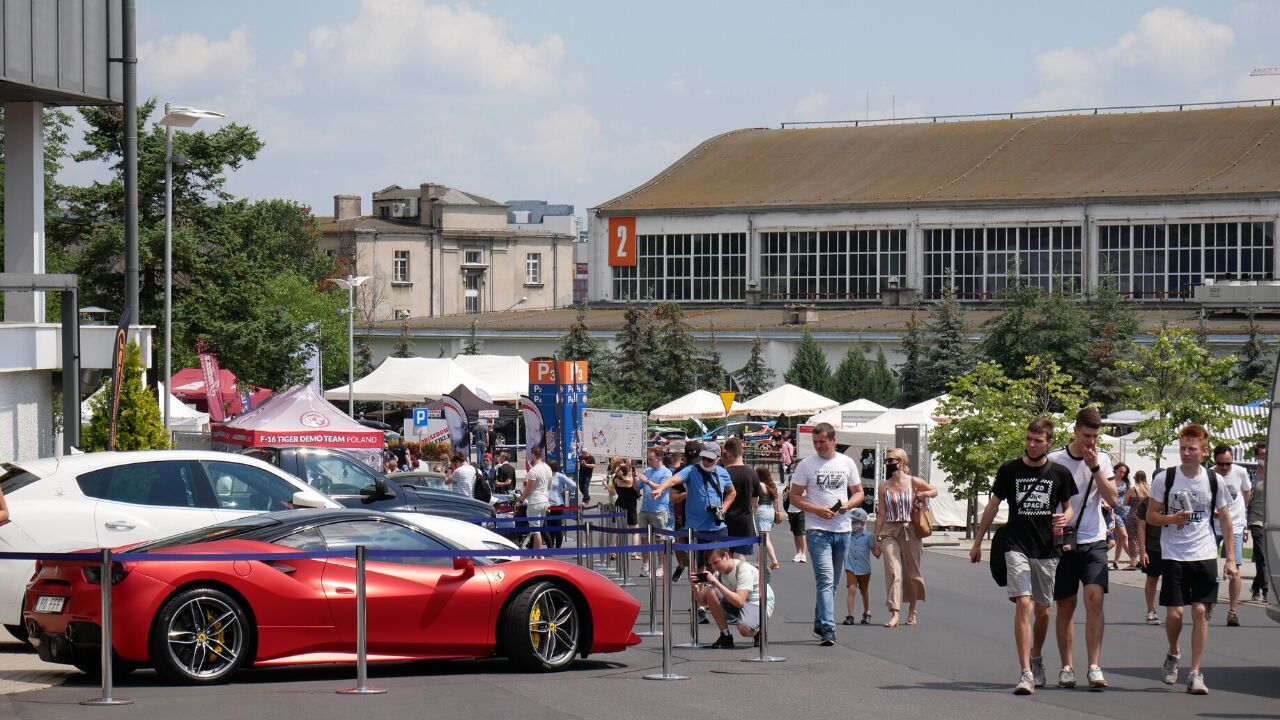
837,507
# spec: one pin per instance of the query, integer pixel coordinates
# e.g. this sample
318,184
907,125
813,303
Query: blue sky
580,101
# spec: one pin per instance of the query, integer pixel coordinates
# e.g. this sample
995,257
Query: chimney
346,207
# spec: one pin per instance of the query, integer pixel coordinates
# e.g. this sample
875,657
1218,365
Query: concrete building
55,54
1165,202
434,251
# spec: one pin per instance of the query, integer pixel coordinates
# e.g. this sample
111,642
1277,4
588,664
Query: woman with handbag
768,512
896,541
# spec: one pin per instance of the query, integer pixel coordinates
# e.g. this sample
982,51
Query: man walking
483,435
537,494
1234,481
655,512
826,486
586,466
1181,503
1085,563
1039,496
1256,531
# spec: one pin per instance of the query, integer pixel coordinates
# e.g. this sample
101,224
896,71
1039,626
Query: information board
606,433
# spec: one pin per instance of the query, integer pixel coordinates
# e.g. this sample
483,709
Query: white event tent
789,400
408,380
863,407
698,404
504,377
182,417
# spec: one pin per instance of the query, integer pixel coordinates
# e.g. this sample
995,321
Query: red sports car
201,621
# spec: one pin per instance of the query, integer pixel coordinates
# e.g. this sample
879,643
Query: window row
697,267
831,265
1156,262
982,260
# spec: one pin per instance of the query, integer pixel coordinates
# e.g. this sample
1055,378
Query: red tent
300,416
188,386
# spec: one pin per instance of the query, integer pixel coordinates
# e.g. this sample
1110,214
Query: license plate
50,604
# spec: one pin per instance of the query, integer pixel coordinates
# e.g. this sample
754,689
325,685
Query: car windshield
221,531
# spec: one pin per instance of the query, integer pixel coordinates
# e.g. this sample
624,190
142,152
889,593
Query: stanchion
362,633
625,539
694,568
577,534
104,582
653,630
765,573
666,673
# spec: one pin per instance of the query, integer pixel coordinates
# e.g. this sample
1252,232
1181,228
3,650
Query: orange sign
543,372
622,242
727,398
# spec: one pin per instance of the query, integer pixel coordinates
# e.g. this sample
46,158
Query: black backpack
481,490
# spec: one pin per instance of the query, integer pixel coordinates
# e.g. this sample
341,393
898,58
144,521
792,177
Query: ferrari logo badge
499,576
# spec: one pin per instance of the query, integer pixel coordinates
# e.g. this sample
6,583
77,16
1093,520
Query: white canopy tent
698,404
182,417
862,406
790,400
504,377
408,380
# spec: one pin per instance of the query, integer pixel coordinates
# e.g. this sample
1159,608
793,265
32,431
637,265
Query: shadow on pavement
1255,681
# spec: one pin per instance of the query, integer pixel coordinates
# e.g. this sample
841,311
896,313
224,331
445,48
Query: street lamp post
350,283
174,116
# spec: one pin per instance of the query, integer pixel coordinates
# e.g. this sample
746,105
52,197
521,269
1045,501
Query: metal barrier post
666,673
362,633
653,630
765,573
577,534
694,568
623,557
105,583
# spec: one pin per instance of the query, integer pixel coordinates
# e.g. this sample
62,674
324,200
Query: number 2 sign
622,242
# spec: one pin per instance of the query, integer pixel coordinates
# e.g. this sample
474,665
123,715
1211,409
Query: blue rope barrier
730,543
230,557
545,528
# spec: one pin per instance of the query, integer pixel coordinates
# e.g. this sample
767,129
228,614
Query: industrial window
1163,261
400,266
981,261
533,269
698,267
831,265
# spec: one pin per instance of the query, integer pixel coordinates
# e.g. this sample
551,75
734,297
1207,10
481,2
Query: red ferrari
201,621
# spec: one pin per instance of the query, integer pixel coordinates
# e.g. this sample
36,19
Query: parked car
199,622
354,484
665,435
108,499
416,479
389,434
748,430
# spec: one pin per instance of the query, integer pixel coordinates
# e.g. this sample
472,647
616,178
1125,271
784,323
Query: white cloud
813,106
457,42
175,63
564,143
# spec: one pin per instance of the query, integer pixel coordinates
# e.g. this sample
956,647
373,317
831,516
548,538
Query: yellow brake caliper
535,615
218,633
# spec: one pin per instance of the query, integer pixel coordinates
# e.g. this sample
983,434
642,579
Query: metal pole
105,583
129,70
351,347
70,370
591,560
577,534
653,630
666,673
168,269
362,633
624,558
765,573
694,567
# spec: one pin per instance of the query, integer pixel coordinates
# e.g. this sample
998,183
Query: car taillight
39,564
93,573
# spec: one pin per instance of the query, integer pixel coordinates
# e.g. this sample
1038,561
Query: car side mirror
302,498
465,564
380,488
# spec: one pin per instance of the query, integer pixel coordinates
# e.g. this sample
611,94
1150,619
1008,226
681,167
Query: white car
469,535
110,499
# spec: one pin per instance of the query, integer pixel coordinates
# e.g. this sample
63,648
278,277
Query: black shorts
1086,565
1156,567
1187,582
796,520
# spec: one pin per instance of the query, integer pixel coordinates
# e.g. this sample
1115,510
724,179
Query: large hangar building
879,213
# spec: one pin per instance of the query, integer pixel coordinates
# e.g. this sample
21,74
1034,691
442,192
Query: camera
715,512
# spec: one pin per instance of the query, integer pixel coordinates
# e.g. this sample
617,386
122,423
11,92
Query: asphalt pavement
957,663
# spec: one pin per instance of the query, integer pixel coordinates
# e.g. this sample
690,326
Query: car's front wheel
202,635
542,628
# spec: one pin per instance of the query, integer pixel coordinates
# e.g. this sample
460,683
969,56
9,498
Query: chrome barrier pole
666,673
104,581
653,630
765,573
694,568
362,633
577,534
625,557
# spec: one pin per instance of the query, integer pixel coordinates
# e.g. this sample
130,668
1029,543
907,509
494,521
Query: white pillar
24,205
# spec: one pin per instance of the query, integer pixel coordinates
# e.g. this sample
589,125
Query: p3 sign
622,242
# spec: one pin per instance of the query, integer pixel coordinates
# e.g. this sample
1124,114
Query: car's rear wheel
202,635
542,628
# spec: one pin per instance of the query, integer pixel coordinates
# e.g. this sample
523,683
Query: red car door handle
344,590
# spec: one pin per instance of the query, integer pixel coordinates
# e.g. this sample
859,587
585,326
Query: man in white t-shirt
462,475
1086,563
1233,480
537,494
826,486
1190,555
732,595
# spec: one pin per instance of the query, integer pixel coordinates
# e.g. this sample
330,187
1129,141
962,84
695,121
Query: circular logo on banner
314,420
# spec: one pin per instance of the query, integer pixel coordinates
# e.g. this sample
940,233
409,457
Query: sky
577,102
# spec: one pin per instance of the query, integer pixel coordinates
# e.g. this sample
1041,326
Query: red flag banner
212,390
117,372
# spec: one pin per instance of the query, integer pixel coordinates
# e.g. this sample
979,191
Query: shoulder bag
921,518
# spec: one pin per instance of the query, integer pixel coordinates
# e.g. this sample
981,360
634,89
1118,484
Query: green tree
849,381
1256,366
404,344
809,368
1176,381
631,383
948,355
756,377
911,373
1009,338
675,355
989,412
140,426
712,376
882,386
576,343
1112,322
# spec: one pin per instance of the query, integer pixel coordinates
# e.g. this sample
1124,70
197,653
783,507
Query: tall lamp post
350,283
181,117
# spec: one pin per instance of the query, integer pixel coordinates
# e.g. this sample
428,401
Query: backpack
1168,487
481,490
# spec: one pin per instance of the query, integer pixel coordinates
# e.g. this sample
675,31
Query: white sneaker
1026,684
1037,671
644,571
1096,680
803,559
1195,684
799,558
1067,677
1169,671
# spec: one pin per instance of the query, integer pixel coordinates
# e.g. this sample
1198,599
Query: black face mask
1036,458
891,468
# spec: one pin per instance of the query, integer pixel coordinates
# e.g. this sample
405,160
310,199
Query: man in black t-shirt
586,466
741,516
504,475
1035,489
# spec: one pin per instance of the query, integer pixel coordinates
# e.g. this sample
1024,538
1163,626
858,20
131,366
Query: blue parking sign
420,417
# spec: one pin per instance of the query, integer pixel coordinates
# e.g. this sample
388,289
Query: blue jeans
826,554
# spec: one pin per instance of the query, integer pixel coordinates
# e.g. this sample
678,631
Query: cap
488,456
710,450
858,515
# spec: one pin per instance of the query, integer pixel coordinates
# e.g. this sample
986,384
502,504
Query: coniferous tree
712,376
576,343
363,356
404,344
882,386
471,346
948,355
809,368
140,426
911,372
1111,323
1009,335
631,382
849,381
756,377
1256,365
675,353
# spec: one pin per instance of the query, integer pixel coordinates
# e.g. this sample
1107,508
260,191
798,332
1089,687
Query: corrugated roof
1213,152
